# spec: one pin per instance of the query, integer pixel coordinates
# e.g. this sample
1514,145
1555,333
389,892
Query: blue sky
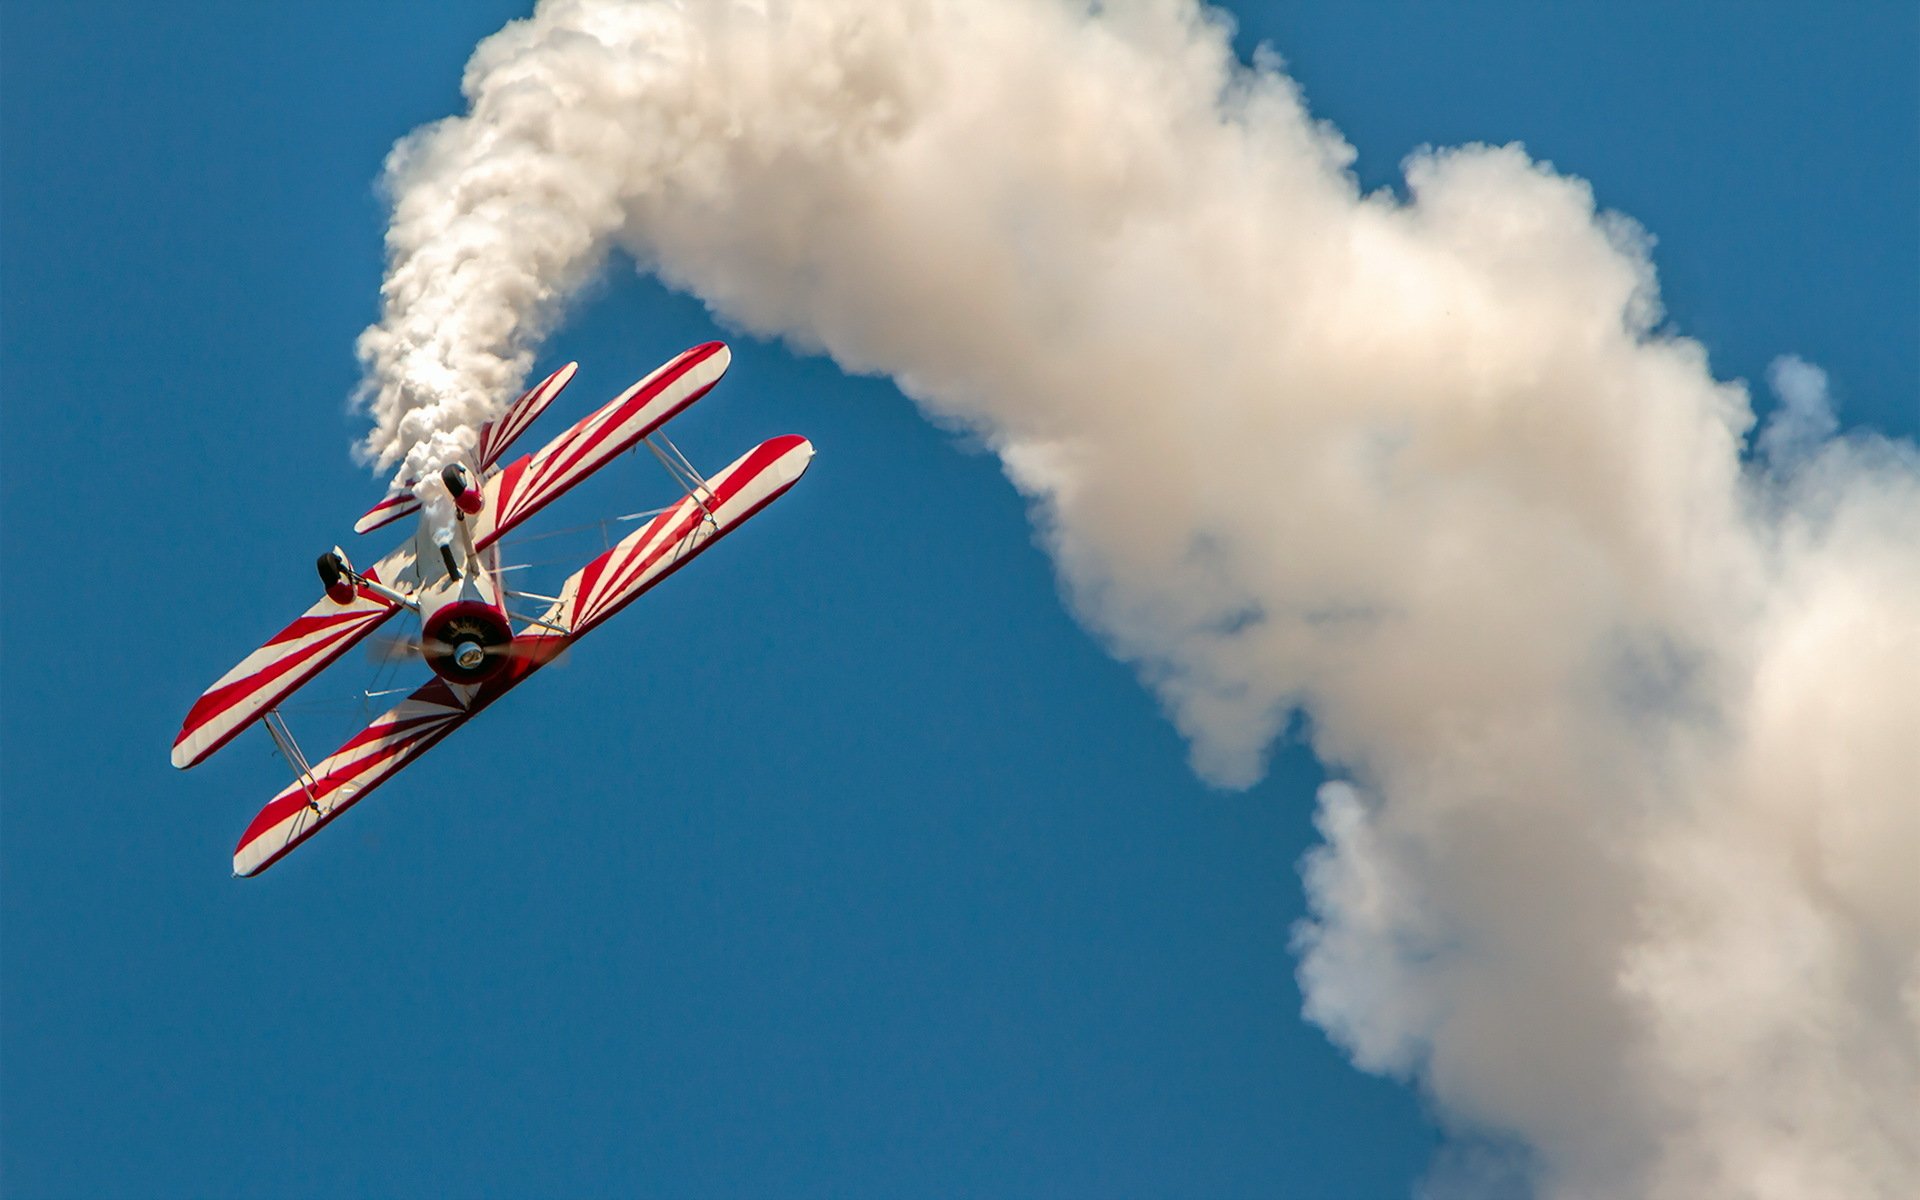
845,864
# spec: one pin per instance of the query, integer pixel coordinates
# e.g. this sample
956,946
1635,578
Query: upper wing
528,485
594,593
291,657
495,437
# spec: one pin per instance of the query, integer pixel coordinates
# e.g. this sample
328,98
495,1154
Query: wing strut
683,473
562,630
290,750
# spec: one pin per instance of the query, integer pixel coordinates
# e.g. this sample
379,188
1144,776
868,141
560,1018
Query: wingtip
245,864
391,508
552,384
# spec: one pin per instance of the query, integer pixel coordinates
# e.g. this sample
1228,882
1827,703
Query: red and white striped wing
496,436
655,550
385,513
527,485
372,757
291,657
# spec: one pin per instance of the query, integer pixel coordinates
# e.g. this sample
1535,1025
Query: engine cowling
466,641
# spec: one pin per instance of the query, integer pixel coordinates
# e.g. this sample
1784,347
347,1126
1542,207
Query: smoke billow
1621,863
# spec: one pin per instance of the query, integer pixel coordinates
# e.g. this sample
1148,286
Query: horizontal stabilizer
496,436
385,513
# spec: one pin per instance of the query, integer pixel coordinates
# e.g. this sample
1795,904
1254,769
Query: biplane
473,634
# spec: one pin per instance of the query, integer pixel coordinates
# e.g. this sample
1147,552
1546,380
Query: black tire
331,569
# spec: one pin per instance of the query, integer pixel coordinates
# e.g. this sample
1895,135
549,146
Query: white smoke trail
1622,868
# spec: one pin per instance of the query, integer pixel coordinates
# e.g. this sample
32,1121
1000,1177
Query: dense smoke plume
1622,863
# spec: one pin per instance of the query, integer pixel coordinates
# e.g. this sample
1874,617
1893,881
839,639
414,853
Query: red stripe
378,732
218,700
515,423
399,506
504,485
584,437
554,462
496,436
314,623
638,564
590,574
